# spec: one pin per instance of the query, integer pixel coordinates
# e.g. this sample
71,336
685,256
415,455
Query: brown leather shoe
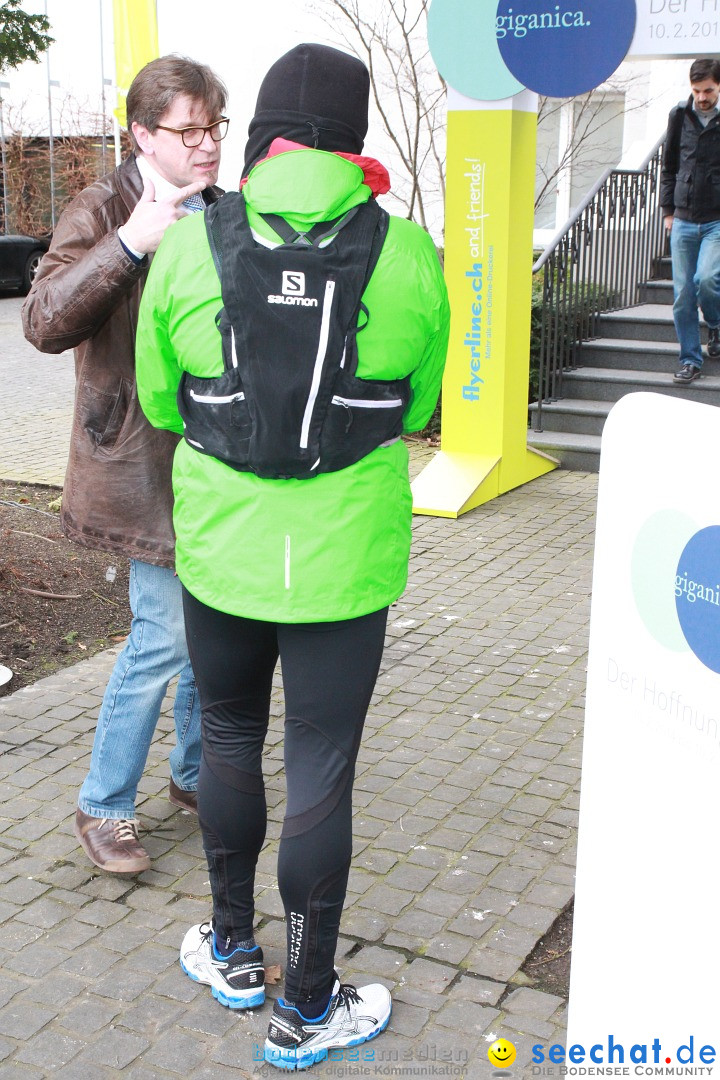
112,845
186,800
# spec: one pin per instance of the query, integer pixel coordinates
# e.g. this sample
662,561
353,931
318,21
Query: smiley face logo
501,1054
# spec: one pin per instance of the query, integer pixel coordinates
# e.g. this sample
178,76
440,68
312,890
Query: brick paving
465,823
38,400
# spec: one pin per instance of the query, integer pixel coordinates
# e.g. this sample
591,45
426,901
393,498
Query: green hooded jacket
335,546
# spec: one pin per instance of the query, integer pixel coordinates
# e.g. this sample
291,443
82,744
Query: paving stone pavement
465,824
38,395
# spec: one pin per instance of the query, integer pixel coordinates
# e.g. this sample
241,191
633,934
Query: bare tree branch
407,92
589,122
410,95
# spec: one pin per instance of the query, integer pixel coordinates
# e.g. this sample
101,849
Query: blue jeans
696,281
155,652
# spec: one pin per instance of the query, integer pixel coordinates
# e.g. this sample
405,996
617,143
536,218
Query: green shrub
588,298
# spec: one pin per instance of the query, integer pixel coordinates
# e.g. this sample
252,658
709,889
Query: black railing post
597,263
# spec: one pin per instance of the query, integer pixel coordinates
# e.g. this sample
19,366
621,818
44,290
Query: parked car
19,259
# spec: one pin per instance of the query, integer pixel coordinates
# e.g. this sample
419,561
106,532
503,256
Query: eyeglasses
193,136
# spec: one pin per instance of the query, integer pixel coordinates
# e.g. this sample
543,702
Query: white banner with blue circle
646,942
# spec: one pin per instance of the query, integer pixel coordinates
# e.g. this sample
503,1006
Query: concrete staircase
636,350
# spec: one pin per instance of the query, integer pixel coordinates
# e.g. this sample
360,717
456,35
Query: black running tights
329,671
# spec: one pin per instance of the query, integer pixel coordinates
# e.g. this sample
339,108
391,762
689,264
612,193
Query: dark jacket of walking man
690,199
117,494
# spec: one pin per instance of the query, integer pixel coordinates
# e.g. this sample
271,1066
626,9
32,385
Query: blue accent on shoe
219,954
252,1002
307,1019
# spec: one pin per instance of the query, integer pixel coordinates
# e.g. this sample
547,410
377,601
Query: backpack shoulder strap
362,315
677,121
212,226
315,235
381,229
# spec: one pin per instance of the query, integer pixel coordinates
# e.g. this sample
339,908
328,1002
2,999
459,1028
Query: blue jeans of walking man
155,652
696,282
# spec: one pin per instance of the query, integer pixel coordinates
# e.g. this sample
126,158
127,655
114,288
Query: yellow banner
488,268
488,260
136,43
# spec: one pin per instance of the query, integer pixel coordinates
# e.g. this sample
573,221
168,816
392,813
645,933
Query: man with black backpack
305,330
690,198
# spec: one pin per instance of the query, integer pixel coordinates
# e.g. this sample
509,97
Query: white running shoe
237,981
352,1017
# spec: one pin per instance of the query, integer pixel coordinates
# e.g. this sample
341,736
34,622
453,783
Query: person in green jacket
299,563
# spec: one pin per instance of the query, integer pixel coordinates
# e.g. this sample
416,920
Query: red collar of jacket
376,175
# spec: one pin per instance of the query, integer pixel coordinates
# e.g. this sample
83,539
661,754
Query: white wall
655,86
239,40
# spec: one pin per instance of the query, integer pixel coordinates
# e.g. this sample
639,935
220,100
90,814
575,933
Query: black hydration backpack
289,404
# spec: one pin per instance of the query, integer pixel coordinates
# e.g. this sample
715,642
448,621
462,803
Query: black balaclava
314,95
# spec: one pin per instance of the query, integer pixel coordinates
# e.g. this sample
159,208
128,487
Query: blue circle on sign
697,595
566,48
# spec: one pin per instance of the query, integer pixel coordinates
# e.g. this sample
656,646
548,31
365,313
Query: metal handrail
596,263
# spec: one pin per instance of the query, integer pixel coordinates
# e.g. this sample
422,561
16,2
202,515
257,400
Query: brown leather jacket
118,492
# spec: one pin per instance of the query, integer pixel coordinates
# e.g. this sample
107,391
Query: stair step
661,356
610,384
665,268
644,322
640,312
579,452
574,415
657,292
630,353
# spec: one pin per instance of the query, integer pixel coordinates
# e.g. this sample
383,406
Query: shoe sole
253,1000
275,1055
127,866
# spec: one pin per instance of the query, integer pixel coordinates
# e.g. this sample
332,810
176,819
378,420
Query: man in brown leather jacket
117,494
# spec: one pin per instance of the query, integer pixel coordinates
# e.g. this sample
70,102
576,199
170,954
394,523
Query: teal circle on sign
464,47
654,565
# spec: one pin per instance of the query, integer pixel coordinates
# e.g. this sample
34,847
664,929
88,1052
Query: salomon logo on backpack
293,288
293,283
